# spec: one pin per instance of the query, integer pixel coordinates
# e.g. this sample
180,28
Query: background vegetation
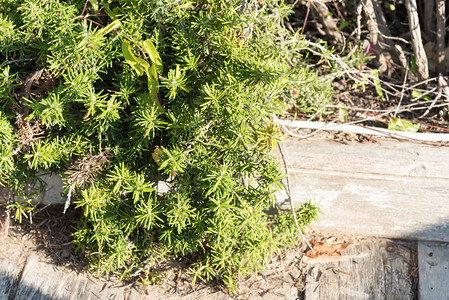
399,80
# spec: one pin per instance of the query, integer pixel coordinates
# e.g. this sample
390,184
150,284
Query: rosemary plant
116,96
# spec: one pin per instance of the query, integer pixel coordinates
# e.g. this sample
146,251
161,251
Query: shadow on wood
39,280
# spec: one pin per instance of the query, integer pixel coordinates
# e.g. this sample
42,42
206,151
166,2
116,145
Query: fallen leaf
326,249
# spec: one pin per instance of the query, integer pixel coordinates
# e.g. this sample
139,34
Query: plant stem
290,197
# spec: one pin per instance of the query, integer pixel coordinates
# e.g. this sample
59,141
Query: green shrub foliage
118,96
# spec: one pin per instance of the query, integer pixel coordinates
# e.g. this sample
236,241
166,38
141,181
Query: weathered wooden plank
8,272
433,261
373,189
53,192
40,281
369,270
375,205
394,158
389,188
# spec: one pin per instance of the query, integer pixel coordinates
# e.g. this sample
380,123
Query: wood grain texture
388,189
40,281
433,260
9,270
369,270
52,193
386,158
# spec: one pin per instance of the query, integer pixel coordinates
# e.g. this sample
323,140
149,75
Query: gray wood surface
386,157
26,277
433,260
41,281
371,271
390,188
9,271
52,193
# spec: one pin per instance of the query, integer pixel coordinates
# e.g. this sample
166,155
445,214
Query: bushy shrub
117,96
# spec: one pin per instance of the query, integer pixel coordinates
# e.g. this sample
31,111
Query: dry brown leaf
326,249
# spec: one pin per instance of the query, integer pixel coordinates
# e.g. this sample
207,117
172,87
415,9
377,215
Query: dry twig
290,197
429,26
402,93
329,24
441,35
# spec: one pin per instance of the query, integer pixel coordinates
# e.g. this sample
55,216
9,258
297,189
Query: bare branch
290,197
417,44
441,35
